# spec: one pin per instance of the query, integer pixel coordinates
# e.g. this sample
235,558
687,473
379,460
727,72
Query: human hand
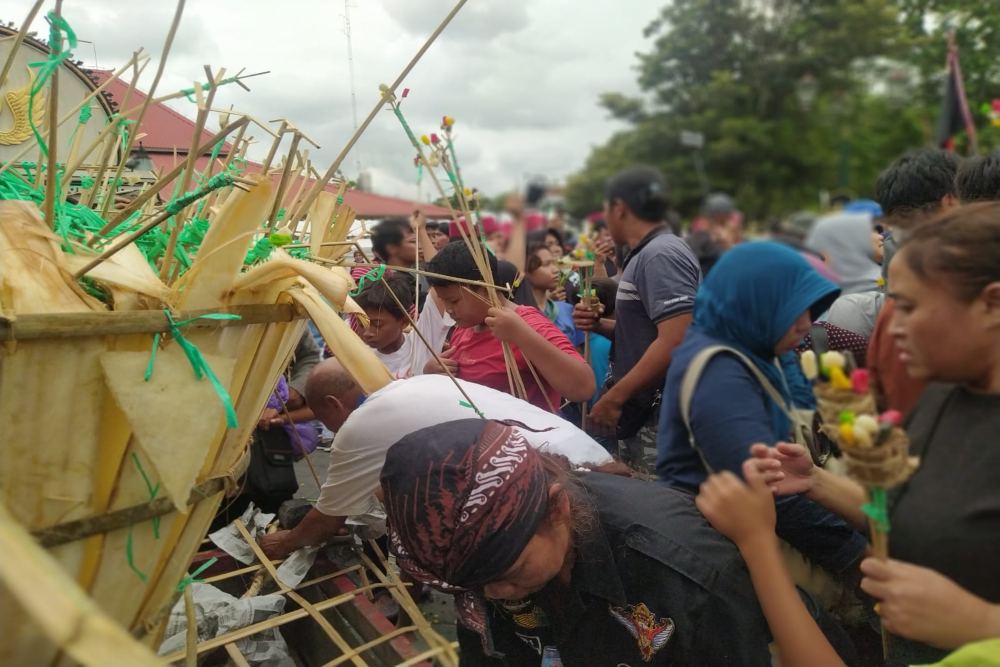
417,220
277,545
787,468
585,316
295,399
514,204
268,419
603,249
505,324
741,512
446,361
603,417
558,293
925,606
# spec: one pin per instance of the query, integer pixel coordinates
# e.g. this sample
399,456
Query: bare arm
840,495
745,513
315,528
800,641
517,246
569,375
424,244
653,364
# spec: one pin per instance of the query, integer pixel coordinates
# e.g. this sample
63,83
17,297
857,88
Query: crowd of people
672,499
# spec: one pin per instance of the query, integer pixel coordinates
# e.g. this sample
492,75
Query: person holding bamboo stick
939,590
659,280
549,365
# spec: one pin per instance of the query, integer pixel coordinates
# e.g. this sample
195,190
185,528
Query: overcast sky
521,77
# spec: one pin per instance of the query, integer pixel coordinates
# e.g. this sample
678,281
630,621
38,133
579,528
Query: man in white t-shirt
367,428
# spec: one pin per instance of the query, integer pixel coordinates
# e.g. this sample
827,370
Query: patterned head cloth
463,499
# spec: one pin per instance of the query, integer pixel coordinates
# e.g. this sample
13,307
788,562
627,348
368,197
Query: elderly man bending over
367,427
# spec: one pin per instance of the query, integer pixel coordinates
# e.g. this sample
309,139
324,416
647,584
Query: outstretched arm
315,528
745,514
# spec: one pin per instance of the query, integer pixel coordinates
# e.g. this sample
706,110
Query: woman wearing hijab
758,303
940,589
595,569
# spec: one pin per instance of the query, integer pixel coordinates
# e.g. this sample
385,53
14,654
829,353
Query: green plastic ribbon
189,92
129,549
877,509
58,30
372,276
180,203
192,578
197,359
86,112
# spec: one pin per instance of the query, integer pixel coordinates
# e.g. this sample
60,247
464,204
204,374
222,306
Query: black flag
955,115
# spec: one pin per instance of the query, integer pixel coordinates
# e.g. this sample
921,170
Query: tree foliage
740,72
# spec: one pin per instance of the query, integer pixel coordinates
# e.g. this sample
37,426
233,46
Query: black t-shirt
947,515
653,584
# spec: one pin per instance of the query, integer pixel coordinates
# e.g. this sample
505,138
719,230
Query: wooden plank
47,326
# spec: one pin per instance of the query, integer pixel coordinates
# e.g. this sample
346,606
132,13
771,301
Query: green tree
740,72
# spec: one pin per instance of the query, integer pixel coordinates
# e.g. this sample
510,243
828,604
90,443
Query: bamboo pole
51,177
52,326
335,165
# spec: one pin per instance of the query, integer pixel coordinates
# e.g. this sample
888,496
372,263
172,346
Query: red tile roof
166,130
169,132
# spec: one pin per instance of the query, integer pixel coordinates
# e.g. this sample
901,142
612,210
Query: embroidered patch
651,633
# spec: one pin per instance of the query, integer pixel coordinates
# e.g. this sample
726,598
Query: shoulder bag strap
693,375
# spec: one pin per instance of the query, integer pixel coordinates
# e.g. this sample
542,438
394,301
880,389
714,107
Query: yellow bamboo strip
331,632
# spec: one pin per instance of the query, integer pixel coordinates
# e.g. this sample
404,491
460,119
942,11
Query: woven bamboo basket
118,478
830,403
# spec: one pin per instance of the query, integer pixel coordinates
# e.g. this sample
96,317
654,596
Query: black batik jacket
652,584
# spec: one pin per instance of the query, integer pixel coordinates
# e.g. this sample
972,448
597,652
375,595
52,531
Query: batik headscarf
463,500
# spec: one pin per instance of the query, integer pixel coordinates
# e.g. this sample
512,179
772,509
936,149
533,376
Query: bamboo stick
109,147
387,637
335,165
138,202
266,164
191,639
406,269
189,169
277,621
52,326
236,656
51,177
283,181
430,349
19,39
308,606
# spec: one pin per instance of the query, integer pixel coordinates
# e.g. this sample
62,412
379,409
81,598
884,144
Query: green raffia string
129,550
197,360
406,126
58,29
877,509
189,92
177,205
372,276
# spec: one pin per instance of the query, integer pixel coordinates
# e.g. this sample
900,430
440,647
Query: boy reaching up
476,352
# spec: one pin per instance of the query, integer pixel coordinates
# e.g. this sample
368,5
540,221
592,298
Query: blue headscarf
752,297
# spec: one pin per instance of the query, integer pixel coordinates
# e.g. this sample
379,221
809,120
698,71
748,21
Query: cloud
521,78
478,19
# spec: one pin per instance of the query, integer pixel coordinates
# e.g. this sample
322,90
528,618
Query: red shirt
894,387
480,357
